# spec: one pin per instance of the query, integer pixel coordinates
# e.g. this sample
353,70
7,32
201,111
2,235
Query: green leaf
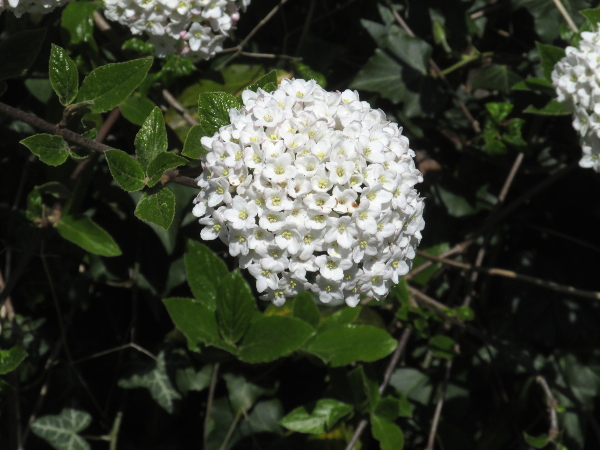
387,408
535,84
192,148
136,108
388,434
242,394
554,108
381,74
19,51
235,307
496,77
87,234
424,276
195,320
593,15
499,111
304,308
549,56
188,379
155,378
34,205
346,344
157,208
52,150
11,358
536,441
204,270
304,71
125,170
413,51
263,82
316,418
63,75
345,316
442,346
60,431
151,140
109,85
272,337
77,23
162,163
213,109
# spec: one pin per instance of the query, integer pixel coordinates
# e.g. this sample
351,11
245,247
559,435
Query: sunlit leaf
157,208
51,149
87,234
316,418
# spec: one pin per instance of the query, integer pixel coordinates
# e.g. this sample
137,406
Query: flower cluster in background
577,81
195,28
312,190
20,7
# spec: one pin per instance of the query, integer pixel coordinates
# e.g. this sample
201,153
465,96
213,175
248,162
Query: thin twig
438,407
551,403
561,8
114,432
270,56
457,249
211,395
180,109
117,349
231,429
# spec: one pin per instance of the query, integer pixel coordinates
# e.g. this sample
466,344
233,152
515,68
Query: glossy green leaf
213,109
195,320
496,77
77,23
204,270
19,51
272,337
137,108
442,346
316,418
549,56
61,431
162,163
304,308
388,434
553,108
235,307
192,148
11,358
51,149
126,171
157,208
109,85
536,441
63,75
263,82
346,344
87,234
151,140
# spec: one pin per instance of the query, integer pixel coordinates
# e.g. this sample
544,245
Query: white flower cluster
20,7
312,190
577,81
195,28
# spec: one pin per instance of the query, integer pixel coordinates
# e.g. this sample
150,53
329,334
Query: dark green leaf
157,208
424,276
496,77
195,320
346,344
316,418
87,234
388,408
549,56
272,337
554,108
125,170
593,15
536,441
304,308
19,51
151,140
78,23
535,84
304,71
381,74
413,51
109,85
162,163
52,150
204,270
388,434
136,108
442,346
63,75
11,358
345,316
213,109
243,394
60,431
235,307
413,383
465,313
365,390
193,148
263,81
188,379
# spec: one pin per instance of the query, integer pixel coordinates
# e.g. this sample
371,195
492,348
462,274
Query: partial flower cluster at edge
20,7
194,28
312,190
576,78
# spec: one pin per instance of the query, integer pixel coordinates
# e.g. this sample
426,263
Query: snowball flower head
576,78
20,7
312,190
194,28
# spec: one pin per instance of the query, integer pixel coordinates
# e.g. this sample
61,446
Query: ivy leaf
316,418
242,394
549,56
136,108
346,344
553,108
192,148
213,109
19,51
235,307
87,234
272,337
496,77
125,170
382,74
413,51
162,163
204,270
51,149
151,140
388,434
60,431
109,85
63,75
157,208
264,82
196,321
11,358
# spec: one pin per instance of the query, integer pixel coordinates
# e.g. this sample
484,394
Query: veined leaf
125,170
87,234
204,270
51,149
213,109
151,140
61,430
162,163
157,208
11,358
235,307
63,75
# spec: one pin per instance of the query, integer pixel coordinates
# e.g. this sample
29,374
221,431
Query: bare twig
180,109
114,432
270,56
561,8
117,349
211,395
551,403
438,407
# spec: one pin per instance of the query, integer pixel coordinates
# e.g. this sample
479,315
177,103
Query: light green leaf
151,140
553,108
60,431
388,434
536,441
155,378
11,358
263,82
382,74
204,270
549,56
162,163
34,205
213,109
499,111
192,148
19,51
316,418
87,234
496,77
346,344
136,108
304,308
52,150
157,208
109,85
63,75
126,171
77,22
195,320
235,307
272,337
243,394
